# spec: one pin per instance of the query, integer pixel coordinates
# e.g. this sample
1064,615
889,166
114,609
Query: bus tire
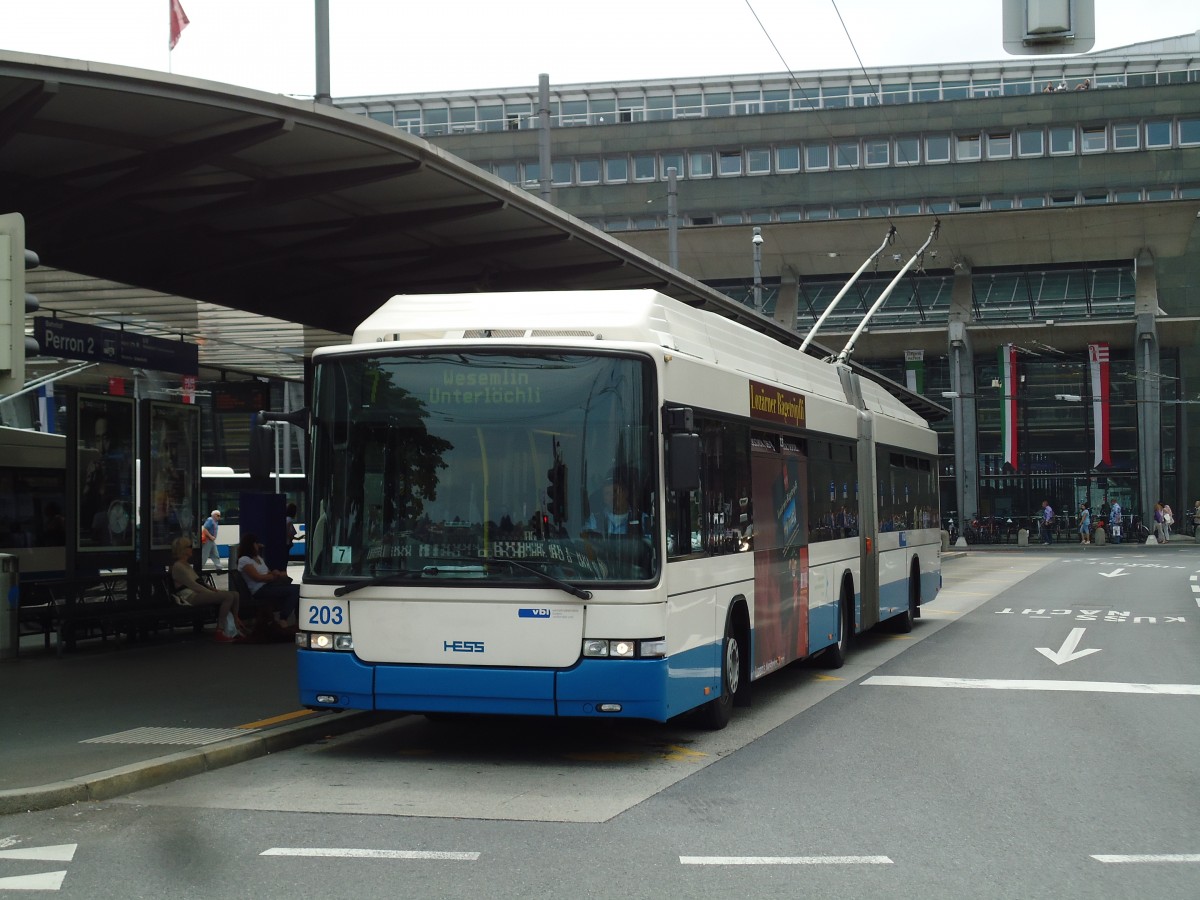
903,623
716,713
834,657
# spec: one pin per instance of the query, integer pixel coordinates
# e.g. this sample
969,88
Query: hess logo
462,646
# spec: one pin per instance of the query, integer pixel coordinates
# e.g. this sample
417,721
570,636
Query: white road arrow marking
1067,651
56,853
46,881
1115,573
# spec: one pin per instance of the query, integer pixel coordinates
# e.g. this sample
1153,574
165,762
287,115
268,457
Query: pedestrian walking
1159,534
1047,521
1114,521
1085,523
208,540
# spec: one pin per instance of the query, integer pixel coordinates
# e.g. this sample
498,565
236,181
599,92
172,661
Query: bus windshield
425,463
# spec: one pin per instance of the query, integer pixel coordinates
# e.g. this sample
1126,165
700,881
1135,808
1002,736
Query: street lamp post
672,220
757,241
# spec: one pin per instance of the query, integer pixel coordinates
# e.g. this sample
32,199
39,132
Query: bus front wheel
715,714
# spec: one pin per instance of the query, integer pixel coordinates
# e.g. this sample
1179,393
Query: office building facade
1054,310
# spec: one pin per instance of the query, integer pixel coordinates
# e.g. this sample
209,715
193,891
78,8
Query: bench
105,605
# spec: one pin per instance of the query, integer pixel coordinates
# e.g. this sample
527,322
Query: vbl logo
462,646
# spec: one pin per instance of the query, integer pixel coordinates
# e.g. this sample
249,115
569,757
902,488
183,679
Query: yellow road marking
276,720
827,678
676,753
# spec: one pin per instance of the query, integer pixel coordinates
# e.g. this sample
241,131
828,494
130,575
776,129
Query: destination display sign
75,340
776,405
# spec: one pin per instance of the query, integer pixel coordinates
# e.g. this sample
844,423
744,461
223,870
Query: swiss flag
179,21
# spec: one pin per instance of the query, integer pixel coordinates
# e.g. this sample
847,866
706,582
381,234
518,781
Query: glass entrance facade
1061,456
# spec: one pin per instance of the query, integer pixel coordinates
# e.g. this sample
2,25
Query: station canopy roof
260,226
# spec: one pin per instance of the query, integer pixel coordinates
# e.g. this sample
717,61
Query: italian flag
1008,403
1098,364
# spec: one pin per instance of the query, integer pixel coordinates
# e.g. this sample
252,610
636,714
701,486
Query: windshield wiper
544,576
386,578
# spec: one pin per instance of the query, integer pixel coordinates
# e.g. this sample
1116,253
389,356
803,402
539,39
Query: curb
174,766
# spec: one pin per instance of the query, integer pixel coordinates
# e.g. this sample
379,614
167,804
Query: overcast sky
400,46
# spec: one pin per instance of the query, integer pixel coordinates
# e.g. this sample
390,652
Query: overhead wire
918,175
910,171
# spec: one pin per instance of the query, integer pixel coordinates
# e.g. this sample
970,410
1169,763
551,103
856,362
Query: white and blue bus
597,504
33,501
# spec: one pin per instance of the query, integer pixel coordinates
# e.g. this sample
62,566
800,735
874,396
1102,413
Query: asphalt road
1035,736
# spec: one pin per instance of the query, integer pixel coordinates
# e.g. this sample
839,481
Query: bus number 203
326,615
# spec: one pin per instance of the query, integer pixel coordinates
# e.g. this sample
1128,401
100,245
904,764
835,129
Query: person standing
1047,521
1168,521
1085,524
1114,521
208,540
1196,519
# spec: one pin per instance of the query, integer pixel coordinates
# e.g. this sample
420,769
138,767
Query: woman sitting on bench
273,586
190,591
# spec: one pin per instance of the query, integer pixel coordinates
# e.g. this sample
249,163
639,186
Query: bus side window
682,508
684,520
727,511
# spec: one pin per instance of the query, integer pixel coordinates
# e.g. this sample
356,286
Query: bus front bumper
655,689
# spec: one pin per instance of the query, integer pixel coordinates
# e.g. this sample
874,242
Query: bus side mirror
683,462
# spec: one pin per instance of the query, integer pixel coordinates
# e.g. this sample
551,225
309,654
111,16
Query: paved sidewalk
109,719
1177,540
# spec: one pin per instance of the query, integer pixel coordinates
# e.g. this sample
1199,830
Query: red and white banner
179,21
1008,403
1098,364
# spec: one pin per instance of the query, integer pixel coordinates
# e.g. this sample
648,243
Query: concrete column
788,298
544,164
1147,374
964,405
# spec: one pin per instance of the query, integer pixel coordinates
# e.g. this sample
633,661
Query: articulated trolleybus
597,504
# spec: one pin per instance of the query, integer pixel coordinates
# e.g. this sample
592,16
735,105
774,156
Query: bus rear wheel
835,656
716,713
903,623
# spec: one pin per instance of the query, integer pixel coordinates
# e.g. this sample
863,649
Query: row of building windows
436,116
1067,294
823,212
870,152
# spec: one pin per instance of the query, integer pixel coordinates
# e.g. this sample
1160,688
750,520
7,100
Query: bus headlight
624,648
655,649
319,640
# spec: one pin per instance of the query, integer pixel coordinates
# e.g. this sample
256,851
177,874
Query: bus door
779,471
